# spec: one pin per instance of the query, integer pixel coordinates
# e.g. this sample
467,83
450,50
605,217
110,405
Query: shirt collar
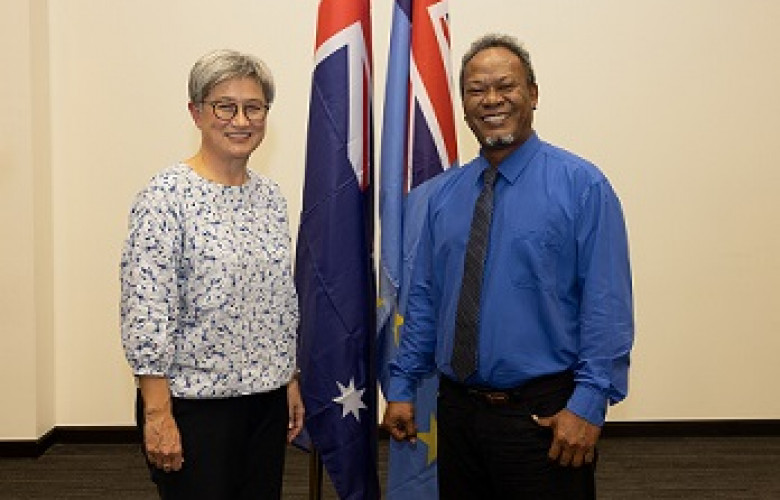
514,164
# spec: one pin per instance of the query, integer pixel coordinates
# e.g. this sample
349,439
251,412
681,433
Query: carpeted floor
708,468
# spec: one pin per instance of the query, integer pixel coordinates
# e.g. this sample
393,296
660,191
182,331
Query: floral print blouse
207,293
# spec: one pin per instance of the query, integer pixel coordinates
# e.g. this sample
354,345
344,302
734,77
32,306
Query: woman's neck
229,173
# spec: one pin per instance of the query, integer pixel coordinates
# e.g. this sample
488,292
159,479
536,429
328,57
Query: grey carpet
708,468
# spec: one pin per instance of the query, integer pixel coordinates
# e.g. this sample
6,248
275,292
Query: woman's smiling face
236,138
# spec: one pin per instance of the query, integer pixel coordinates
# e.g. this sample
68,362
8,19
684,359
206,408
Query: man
544,300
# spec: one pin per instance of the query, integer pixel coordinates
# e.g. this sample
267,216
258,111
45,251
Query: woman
209,310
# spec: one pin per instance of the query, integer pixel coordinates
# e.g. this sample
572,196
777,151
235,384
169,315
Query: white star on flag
351,399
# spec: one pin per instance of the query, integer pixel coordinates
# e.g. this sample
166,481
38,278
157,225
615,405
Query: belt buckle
496,398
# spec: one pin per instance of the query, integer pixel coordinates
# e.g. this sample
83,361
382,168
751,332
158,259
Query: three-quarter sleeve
288,311
149,292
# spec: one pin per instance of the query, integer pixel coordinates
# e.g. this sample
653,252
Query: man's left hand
574,438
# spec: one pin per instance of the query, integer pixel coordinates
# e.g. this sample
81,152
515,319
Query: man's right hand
399,421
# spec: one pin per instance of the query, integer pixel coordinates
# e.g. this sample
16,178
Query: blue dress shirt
556,294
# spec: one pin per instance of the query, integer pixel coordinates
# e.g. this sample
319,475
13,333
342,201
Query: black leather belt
529,391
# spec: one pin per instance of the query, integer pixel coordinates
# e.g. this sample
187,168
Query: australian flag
418,144
334,265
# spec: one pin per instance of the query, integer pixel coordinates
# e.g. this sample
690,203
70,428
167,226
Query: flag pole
315,476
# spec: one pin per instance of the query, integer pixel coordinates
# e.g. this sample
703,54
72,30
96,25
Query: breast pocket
534,255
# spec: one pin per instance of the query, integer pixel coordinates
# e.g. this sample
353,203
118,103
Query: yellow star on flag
399,320
430,439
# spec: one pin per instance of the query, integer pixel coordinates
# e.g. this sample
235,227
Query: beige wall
26,323
675,100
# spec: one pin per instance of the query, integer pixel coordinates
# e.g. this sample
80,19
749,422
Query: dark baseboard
692,428
34,448
670,428
27,448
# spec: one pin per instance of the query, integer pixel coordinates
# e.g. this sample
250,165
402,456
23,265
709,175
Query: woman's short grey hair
221,65
492,40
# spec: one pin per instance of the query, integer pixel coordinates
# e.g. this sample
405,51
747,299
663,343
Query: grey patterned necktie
464,349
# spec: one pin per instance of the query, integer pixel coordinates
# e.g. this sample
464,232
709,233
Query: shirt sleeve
416,353
289,314
606,307
149,292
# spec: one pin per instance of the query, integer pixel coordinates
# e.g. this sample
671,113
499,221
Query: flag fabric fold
334,272
418,144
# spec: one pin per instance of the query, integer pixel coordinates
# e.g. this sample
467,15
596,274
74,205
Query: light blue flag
418,144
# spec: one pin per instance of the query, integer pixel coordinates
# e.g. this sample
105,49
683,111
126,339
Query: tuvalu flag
418,144
334,270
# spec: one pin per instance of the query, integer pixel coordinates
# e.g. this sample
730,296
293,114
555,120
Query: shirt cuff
146,371
588,403
401,390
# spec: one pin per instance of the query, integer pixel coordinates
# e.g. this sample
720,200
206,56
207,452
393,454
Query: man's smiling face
498,100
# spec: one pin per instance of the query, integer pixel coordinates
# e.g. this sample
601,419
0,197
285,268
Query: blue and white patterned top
207,293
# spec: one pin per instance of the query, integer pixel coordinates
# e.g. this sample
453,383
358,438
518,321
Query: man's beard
499,142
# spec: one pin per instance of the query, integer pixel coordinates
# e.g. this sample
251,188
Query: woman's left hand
295,409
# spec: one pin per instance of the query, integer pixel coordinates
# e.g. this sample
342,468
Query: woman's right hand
162,441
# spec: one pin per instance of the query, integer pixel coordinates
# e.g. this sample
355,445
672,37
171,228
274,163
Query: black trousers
490,450
233,448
